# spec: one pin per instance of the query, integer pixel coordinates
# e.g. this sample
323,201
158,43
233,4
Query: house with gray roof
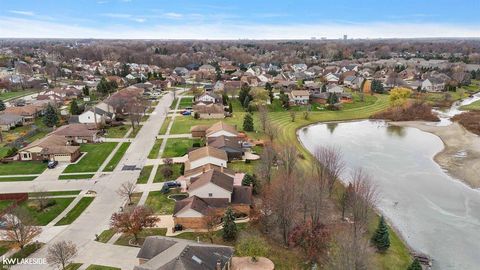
163,253
9,121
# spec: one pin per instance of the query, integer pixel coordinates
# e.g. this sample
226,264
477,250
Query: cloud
173,15
32,28
22,12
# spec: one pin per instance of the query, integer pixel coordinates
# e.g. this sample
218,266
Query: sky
246,19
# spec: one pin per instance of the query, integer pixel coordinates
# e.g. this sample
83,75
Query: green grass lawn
156,147
44,217
176,173
76,211
241,166
160,203
19,178
54,193
117,157
4,247
178,147
144,174
75,176
101,267
73,266
185,102
125,239
182,124
4,151
117,132
105,236
475,106
5,204
164,127
93,159
135,131
22,167
14,94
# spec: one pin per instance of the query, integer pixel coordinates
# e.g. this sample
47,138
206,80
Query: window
210,194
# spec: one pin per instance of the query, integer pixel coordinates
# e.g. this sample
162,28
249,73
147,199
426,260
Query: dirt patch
461,155
411,112
470,120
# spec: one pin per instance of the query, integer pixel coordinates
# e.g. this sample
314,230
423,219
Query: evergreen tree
246,102
381,238
250,180
324,88
74,109
2,106
269,88
332,99
377,87
244,93
125,70
86,90
229,226
230,107
248,122
224,99
51,118
415,265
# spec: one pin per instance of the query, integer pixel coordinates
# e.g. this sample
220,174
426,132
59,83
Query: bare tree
19,228
264,169
167,168
61,253
41,197
263,117
271,130
362,199
281,199
351,252
126,190
330,165
287,156
211,221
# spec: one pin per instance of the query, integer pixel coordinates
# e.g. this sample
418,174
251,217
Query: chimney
221,169
219,265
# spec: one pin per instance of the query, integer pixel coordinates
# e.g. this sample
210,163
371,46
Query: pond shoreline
461,150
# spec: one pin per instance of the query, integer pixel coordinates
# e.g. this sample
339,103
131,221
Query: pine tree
246,102
2,105
51,118
229,226
381,238
74,109
230,107
415,265
86,90
248,122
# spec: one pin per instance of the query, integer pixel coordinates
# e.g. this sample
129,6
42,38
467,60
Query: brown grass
410,112
470,120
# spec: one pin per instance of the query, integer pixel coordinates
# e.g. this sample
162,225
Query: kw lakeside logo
8,262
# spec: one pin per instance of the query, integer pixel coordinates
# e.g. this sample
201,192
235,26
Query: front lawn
22,167
178,147
117,132
105,236
45,216
185,102
177,171
125,239
144,174
156,147
101,267
182,124
76,211
5,204
93,158
17,178
135,131
164,127
117,157
160,203
75,176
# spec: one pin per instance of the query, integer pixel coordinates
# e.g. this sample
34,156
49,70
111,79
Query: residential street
96,218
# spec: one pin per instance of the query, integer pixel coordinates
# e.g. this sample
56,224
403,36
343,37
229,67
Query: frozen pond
436,214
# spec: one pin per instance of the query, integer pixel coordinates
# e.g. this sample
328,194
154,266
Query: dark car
172,184
52,164
186,113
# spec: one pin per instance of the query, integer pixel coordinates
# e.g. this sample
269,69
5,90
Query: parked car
52,164
172,184
187,113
